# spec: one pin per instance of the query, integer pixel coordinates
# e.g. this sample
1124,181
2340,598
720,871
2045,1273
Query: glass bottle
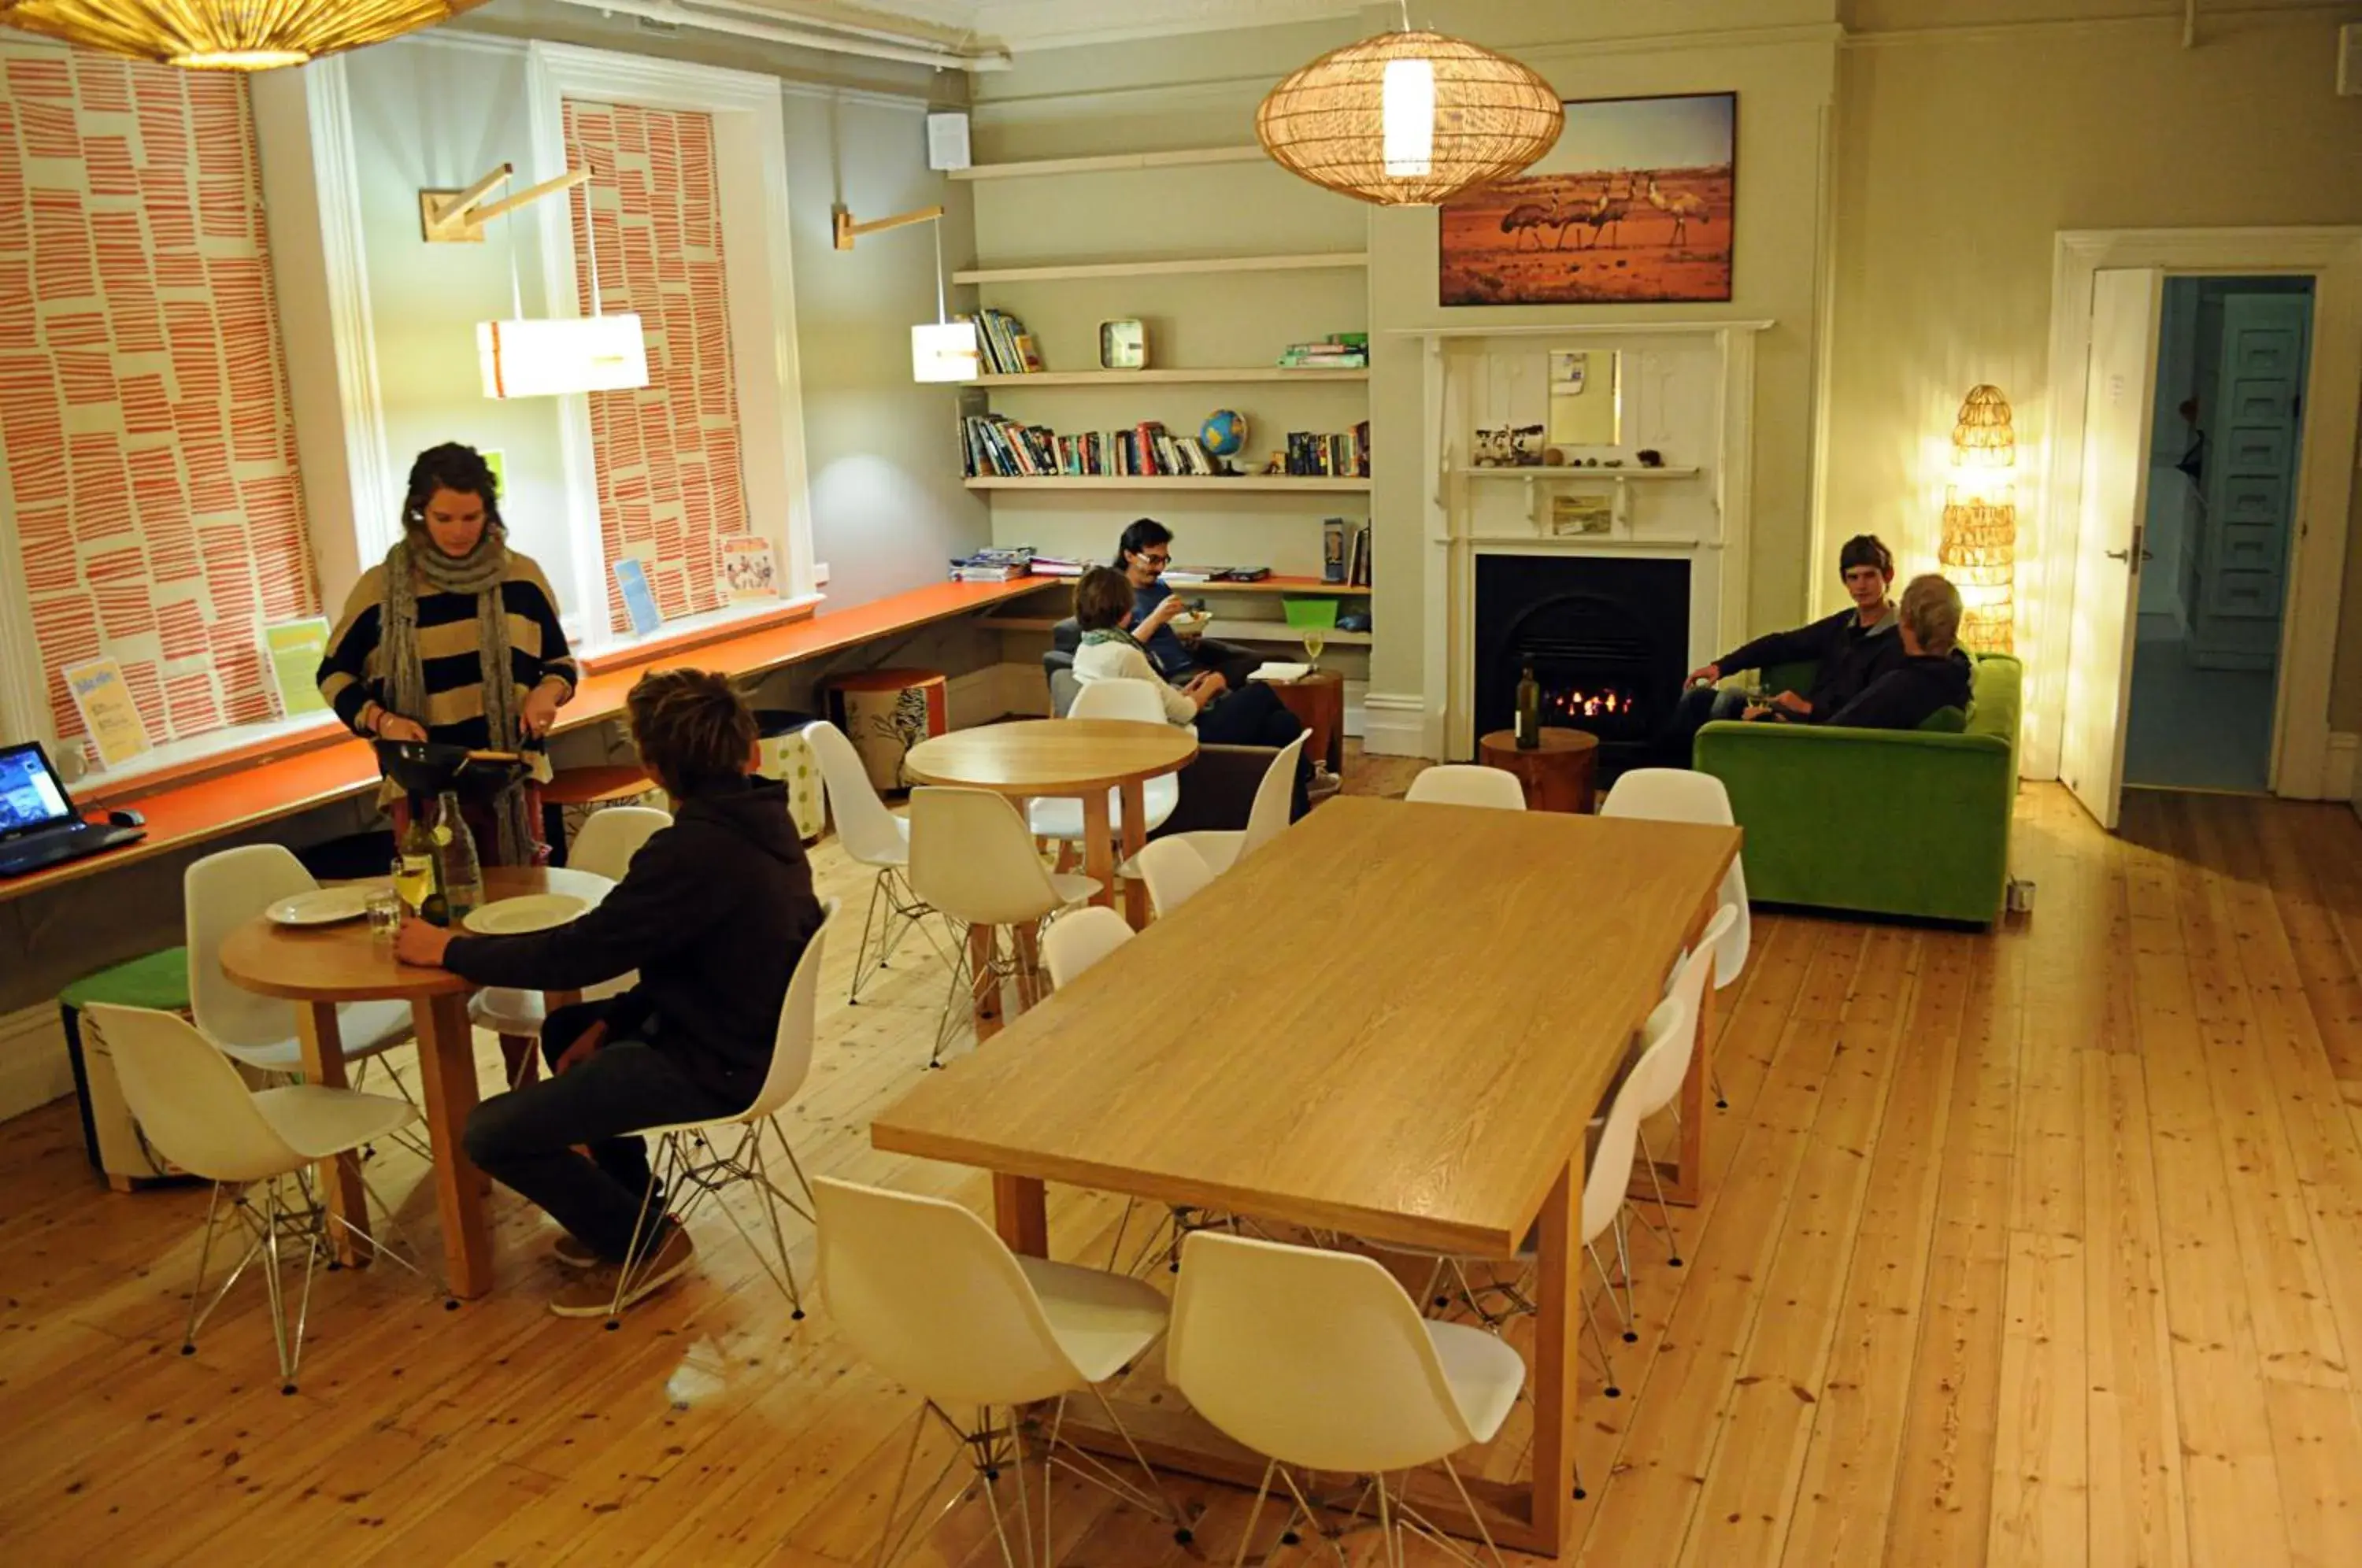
461,874
1530,710
414,874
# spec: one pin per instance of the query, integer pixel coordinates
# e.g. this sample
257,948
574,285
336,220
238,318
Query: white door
2251,467
2120,378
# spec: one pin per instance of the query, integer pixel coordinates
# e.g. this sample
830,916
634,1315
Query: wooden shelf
1113,162
1318,260
1302,587
1167,378
1225,631
1545,472
1243,482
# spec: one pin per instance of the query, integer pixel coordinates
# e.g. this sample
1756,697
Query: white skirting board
33,1068
2337,769
1396,723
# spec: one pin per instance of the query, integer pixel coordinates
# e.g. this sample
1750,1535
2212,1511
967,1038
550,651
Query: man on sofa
1933,675
1142,555
1849,650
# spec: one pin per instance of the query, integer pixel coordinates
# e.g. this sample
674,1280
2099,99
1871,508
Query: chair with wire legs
973,860
1175,873
926,1292
1060,818
258,1148
1467,784
1320,1361
1679,795
706,1159
223,891
874,837
604,847
1657,1079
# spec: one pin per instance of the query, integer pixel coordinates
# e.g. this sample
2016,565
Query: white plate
533,911
323,906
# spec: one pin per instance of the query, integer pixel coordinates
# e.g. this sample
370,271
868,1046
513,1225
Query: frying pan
429,768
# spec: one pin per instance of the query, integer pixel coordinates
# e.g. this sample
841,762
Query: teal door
2251,483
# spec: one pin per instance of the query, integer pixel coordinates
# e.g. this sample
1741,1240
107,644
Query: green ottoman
160,981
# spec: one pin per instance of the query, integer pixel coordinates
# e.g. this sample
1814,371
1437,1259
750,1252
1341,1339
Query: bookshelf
1240,482
1065,272
1109,162
1235,375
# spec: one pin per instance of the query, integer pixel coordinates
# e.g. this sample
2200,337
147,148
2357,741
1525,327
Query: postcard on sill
108,711
750,568
293,650
639,599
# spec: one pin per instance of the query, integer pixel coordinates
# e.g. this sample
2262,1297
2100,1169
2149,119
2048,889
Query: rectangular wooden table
1392,1022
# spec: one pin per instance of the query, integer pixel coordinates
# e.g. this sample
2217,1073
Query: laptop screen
30,795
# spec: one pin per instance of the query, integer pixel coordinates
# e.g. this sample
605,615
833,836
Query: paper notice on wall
750,568
108,713
639,597
293,650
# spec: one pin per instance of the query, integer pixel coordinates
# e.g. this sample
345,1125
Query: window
153,506
648,234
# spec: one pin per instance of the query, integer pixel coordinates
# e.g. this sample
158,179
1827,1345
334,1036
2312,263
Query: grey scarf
480,572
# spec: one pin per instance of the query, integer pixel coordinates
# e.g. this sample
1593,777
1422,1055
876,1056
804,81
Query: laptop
39,825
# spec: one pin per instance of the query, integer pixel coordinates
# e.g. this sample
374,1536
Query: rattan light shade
1492,118
1982,437
1978,545
226,35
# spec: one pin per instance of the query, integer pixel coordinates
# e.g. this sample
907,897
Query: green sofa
1901,822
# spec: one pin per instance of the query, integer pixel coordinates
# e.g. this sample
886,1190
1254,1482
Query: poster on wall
109,715
1635,206
749,569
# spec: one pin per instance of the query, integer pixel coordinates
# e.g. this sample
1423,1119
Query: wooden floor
2037,1247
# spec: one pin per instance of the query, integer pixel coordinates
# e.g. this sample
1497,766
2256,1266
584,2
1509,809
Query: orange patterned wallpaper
143,403
669,487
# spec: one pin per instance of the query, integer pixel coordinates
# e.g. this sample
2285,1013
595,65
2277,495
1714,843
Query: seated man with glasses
1142,555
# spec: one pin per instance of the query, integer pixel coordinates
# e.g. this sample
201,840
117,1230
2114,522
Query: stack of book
1338,351
1345,552
999,563
1343,455
1060,566
1003,345
1185,575
996,446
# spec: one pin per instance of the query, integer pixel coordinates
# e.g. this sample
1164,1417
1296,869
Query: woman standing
454,638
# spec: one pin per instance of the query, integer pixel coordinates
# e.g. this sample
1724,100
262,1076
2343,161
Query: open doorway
2227,429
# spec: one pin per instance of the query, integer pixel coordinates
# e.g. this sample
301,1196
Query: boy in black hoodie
1933,673
713,913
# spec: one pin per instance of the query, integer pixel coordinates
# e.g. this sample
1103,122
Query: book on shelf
1003,563
993,445
1060,566
1338,351
1312,454
1357,565
1003,345
1333,549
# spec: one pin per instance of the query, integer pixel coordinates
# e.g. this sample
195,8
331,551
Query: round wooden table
1086,760
1559,774
318,968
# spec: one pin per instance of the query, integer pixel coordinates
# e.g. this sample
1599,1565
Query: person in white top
1253,716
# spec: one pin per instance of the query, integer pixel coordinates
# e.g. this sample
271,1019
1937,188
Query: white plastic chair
1320,1361
1467,784
1080,938
255,1147
604,847
874,837
222,893
1139,702
1174,872
706,1159
973,860
1656,1078
925,1291
1679,795
1221,848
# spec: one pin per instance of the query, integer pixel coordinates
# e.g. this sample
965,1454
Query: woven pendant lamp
1978,549
226,35
1409,118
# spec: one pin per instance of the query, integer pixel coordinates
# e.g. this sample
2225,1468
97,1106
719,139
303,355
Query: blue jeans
1699,706
526,1140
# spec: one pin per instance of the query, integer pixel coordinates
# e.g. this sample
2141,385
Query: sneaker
592,1293
572,1251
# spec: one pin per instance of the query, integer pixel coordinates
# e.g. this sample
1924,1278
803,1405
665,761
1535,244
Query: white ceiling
1021,25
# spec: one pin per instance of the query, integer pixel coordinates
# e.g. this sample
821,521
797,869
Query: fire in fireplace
1606,638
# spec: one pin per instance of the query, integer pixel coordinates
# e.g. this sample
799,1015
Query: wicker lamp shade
1459,116
1982,437
226,35
1978,547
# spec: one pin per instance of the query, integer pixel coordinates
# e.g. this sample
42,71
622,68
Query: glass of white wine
413,880
1315,639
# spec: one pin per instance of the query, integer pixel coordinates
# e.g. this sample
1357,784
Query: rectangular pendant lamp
943,351
551,358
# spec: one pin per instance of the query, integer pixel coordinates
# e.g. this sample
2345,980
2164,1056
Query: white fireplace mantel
1699,511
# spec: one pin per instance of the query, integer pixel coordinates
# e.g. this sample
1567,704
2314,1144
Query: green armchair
1903,822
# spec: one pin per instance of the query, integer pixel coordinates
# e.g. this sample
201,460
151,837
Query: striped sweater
353,680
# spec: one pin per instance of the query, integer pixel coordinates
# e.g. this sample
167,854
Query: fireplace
1607,637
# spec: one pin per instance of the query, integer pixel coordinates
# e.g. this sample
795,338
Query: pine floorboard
2042,1245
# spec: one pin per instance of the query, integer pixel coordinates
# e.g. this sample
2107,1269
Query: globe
1224,433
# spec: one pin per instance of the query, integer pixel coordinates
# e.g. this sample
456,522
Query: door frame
2321,506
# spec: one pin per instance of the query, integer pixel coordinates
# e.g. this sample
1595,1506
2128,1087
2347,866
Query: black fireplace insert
1607,639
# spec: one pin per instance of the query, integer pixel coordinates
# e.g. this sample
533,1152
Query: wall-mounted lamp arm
459,216
847,231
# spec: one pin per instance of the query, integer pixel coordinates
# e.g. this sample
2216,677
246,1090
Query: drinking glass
411,886
385,907
1315,639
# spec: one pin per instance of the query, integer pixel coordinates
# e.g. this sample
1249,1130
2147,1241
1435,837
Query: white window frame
758,281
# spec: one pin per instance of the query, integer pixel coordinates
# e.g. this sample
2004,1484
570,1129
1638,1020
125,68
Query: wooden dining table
1394,1022
1084,759
319,966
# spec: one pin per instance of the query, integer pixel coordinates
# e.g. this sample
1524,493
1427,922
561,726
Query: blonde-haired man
1934,674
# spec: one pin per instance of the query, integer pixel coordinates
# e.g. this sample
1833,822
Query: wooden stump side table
1559,774
1318,698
